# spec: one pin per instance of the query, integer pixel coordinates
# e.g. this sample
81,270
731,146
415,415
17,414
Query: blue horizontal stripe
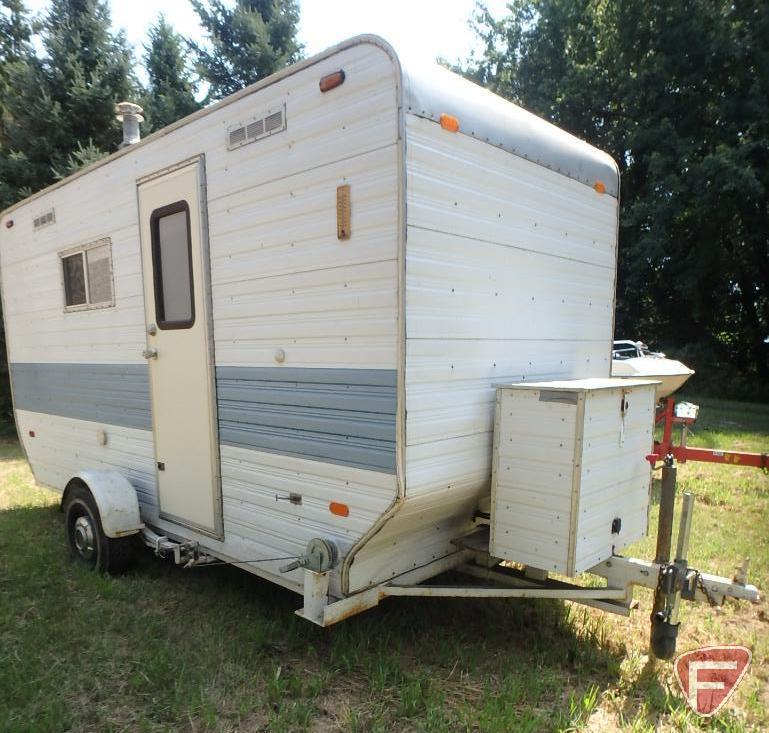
344,416
115,394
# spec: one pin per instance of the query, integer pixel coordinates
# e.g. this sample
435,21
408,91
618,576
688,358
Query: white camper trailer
272,334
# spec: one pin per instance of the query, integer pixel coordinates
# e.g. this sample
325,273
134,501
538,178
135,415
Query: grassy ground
216,649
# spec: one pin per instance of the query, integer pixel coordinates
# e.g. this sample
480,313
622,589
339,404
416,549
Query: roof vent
49,217
237,137
271,122
130,115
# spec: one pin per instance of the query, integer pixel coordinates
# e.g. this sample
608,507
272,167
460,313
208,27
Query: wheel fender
115,498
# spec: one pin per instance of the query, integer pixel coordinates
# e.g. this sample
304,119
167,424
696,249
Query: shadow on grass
513,664
647,699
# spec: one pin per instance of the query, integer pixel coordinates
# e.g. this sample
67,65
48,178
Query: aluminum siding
344,416
280,280
510,277
115,394
257,524
62,446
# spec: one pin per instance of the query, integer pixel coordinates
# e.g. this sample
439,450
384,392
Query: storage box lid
581,385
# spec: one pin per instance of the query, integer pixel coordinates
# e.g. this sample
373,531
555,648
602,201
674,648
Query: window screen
172,266
74,279
99,274
87,271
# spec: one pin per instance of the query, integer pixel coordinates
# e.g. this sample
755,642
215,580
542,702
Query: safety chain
657,592
701,583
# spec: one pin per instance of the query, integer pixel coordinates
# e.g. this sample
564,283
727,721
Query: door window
172,266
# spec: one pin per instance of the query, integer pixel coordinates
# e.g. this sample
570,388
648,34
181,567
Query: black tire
88,545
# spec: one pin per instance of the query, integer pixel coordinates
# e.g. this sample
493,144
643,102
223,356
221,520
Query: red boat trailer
668,416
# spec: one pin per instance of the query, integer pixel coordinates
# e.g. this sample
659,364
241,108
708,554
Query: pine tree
249,41
64,102
87,70
171,93
15,31
15,52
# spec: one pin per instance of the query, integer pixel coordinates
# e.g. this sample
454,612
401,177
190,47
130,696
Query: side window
99,264
172,266
74,279
87,273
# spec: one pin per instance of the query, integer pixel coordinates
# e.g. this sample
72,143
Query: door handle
150,353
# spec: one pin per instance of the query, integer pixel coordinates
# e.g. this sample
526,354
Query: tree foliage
58,95
15,31
15,49
63,101
248,41
678,94
171,92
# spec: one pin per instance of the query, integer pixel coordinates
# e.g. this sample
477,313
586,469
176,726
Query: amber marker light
449,122
331,81
341,510
600,186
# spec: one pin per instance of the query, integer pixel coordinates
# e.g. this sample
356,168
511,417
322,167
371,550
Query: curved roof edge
250,89
431,90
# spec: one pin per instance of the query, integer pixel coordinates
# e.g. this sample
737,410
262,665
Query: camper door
175,266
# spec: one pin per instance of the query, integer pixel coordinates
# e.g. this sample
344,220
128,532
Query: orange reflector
341,510
600,186
331,81
449,122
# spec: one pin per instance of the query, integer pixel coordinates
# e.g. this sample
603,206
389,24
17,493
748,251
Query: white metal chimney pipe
130,115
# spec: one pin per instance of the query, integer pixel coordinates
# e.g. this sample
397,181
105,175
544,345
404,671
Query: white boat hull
670,374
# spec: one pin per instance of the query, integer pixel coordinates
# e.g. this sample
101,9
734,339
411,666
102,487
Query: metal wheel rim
84,537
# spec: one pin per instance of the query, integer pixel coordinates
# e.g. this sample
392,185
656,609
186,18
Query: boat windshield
629,350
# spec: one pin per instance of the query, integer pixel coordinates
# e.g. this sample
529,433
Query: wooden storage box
570,479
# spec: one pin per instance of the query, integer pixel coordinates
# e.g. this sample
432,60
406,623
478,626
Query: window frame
157,268
82,250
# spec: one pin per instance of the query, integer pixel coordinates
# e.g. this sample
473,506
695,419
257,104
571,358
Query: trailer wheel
88,545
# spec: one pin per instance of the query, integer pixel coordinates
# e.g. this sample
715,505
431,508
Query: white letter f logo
694,682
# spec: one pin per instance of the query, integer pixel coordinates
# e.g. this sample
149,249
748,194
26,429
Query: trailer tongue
671,580
569,490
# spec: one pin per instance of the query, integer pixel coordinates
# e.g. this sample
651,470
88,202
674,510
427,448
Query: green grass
216,649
